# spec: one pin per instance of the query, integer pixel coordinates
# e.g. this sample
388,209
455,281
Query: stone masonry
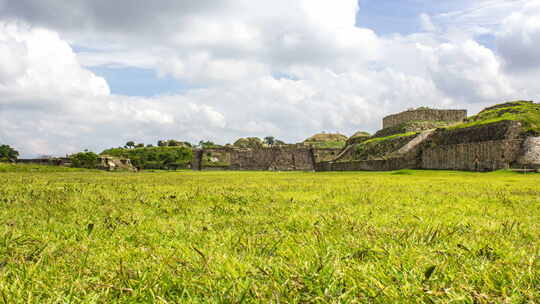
450,116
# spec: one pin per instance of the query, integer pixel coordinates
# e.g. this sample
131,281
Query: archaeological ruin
500,137
504,136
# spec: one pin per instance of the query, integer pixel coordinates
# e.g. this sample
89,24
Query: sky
81,74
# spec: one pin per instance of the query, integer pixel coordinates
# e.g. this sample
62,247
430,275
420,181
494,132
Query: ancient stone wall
424,115
275,158
103,163
530,153
327,154
473,156
382,148
406,162
115,164
488,132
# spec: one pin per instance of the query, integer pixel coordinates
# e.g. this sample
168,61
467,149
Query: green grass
380,139
328,144
8,167
528,113
261,237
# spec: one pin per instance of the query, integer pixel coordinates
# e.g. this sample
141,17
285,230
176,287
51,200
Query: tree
269,140
87,160
207,144
162,143
155,157
130,144
174,143
139,146
8,154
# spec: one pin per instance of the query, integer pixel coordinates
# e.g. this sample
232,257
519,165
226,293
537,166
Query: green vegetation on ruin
246,237
526,112
249,143
166,157
360,134
327,144
390,137
410,126
327,141
326,137
381,147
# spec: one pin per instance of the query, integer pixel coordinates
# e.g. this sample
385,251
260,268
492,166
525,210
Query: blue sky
139,82
84,74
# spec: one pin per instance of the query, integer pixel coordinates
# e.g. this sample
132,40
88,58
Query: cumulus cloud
519,40
426,23
469,72
256,68
47,97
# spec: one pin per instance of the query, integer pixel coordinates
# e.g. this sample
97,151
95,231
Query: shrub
162,157
8,154
87,160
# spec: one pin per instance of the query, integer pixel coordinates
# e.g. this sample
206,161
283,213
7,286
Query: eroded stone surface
530,152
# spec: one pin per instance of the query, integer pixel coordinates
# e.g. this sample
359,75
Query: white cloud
281,68
469,72
38,61
49,104
519,41
426,23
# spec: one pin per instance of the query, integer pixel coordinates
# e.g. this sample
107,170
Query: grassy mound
249,143
360,134
380,147
327,140
526,112
326,137
411,126
358,137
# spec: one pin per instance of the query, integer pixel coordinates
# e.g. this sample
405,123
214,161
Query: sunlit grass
231,237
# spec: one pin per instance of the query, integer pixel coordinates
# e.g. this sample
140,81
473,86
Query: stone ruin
482,147
110,163
107,163
425,114
285,158
414,139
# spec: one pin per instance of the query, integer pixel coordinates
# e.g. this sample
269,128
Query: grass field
250,237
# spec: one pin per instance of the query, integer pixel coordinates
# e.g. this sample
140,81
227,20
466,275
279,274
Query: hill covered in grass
525,112
327,140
